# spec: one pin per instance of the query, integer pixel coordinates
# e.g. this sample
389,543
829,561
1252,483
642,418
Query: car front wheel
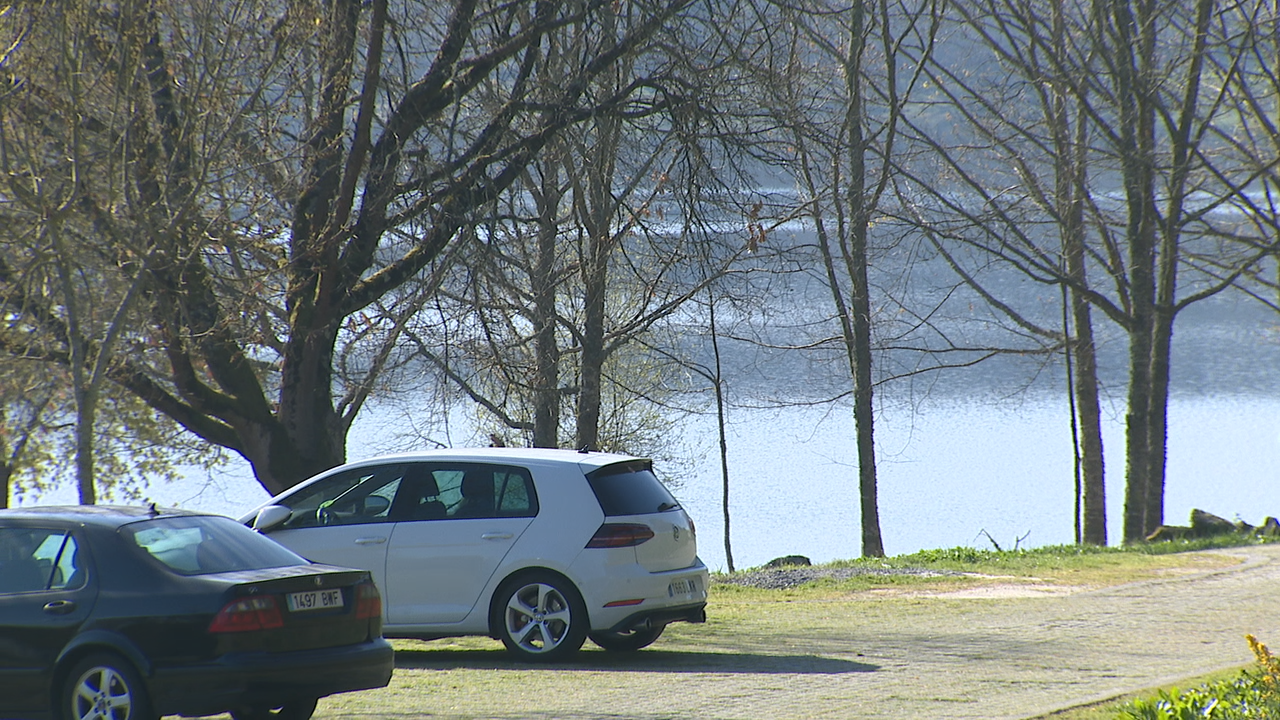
105,686
296,710
627,641
542,617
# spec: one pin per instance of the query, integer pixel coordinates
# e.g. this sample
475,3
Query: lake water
983,455
951,473
964,470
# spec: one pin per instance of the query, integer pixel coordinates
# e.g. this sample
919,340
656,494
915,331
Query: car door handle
496,536
370,541
60,607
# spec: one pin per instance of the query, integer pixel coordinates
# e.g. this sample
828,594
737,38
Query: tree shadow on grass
654,661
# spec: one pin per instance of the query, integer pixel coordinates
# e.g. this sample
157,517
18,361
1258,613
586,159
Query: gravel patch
789,577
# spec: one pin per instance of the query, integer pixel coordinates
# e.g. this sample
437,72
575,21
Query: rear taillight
368,601
618,535
248,614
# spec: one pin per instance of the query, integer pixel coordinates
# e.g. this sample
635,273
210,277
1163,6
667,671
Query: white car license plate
315,600
685,586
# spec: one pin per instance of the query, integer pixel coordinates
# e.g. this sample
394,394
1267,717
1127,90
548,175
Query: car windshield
630,489
204,544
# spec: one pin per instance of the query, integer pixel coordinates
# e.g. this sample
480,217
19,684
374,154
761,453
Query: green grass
1084,565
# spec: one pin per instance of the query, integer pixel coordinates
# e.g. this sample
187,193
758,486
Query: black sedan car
122,613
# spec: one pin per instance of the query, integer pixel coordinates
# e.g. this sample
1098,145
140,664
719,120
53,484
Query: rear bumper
625,595
270,679
661,617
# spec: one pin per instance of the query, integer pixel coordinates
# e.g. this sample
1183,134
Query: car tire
104,686
540,617
629,641
296,710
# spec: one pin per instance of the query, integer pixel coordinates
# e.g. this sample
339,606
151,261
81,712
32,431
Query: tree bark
1134,50
856,261
546,391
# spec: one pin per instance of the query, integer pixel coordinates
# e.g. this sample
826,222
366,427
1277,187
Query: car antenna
584,449
153,509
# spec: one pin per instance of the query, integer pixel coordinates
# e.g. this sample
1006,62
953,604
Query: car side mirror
271,517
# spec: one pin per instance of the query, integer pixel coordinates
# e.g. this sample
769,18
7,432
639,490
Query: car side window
472,490
514,490
356,496
37,559
68,566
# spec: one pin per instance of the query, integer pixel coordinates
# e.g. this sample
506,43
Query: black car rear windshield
630,489
204,544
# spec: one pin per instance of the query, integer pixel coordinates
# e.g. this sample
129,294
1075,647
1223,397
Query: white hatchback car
539,548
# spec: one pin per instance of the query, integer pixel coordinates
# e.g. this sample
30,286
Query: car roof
102,515
586,460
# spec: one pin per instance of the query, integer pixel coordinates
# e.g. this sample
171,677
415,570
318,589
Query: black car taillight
618,535
368,601
248,614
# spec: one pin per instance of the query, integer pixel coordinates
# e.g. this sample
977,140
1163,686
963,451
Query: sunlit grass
957,568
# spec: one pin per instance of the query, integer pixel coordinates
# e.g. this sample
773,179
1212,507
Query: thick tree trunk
546,392
310,437
589,391
1138,423
1135,47
597,203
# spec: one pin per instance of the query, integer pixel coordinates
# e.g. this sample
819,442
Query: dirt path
987,655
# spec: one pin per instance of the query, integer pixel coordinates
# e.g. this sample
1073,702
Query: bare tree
832,80
558,312
288,167
1113,158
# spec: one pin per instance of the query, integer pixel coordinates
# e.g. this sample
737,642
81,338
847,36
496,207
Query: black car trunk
318,607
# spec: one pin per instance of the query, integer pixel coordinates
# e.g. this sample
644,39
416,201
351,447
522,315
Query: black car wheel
104,686
296,710
627,641
541,617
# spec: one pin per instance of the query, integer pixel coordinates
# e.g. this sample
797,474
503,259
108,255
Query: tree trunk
717,381
1134,37
1157,434
1093,467
546,392
596,270
856,262
595,196
1071,190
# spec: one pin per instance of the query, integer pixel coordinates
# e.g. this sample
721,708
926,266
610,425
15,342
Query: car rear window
200,545
630,488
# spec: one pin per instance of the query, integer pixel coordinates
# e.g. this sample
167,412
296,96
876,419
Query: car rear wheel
542,617
296,710
627,641
105,686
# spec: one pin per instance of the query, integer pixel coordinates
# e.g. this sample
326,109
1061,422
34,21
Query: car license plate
315,600
686,586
